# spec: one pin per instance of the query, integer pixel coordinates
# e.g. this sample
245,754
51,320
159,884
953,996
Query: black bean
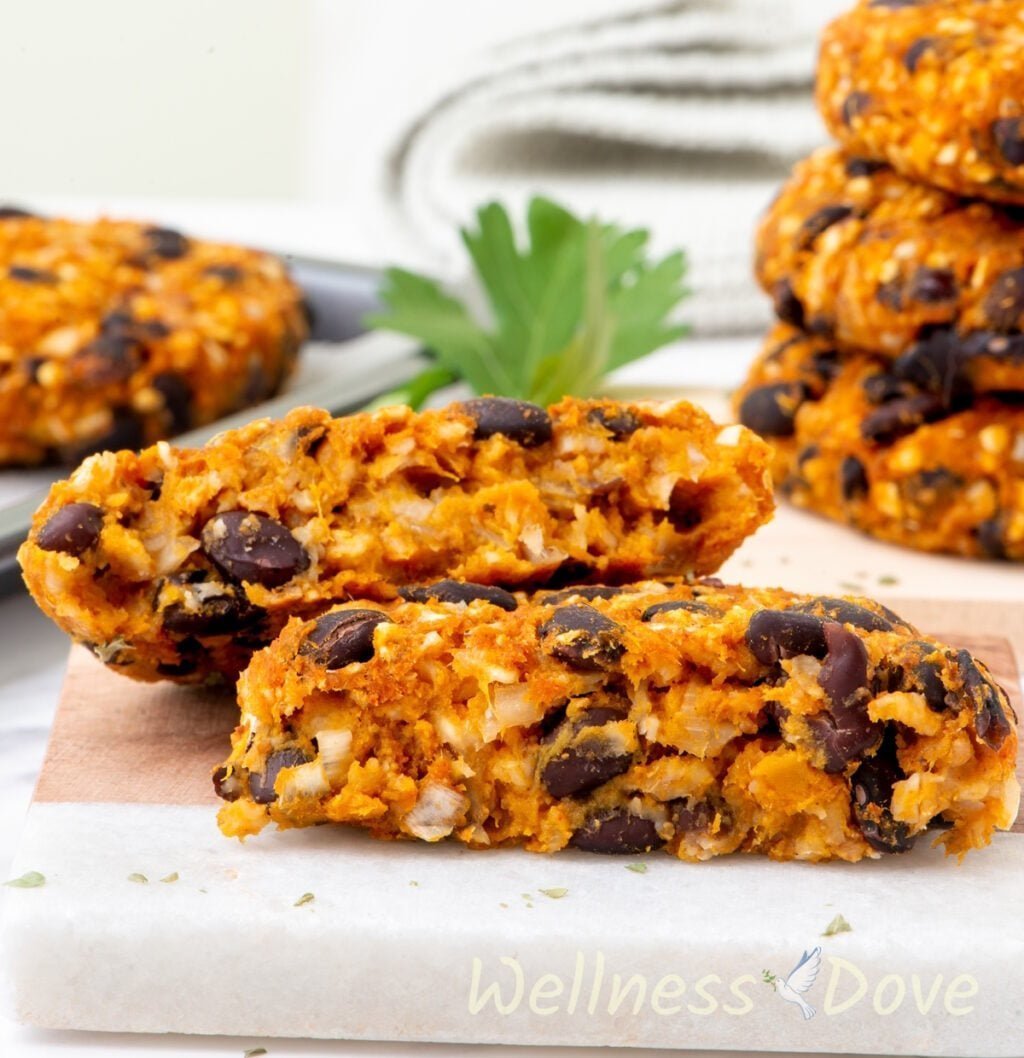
246,546
1008,134
692,816
990,719
900,417
935,364
854,105
883,388
585,591
825,363
788,306
203,614
819,222
310,439
848,613
174,670
890,294
1004,303
806,454
261,784
599,715
226,784
933,487
917,50
617,832
771,410
864,166
166,243
152,328
117,321
844,673
853,479
343,637
989,344
110,358
931,286
845,730
72,530
226,273
527,424
689,605
619,422
456,591
120,323
991,539
177,399
30,275
775,634
552,720
775,354
927,681
822,326
31,365
589,760
582,637
871,788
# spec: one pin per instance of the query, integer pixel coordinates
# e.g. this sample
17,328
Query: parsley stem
416,390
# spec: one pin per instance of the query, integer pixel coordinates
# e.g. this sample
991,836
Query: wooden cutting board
150,921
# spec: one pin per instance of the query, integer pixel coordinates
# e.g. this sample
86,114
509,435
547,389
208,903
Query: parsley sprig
578,300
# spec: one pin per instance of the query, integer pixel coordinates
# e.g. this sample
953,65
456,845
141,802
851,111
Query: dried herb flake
29,880
837,925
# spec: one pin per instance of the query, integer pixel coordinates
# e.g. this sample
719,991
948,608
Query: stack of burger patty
893,384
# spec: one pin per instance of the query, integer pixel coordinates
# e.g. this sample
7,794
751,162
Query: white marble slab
406,942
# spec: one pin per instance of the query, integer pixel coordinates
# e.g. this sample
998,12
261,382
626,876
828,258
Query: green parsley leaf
837,925
306,898
577,301
29,880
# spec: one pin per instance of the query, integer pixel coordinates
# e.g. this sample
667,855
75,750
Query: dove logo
798,983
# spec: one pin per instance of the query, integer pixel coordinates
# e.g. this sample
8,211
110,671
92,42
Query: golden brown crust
703,718
934,87
115,334
932,469
870,260
178,564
